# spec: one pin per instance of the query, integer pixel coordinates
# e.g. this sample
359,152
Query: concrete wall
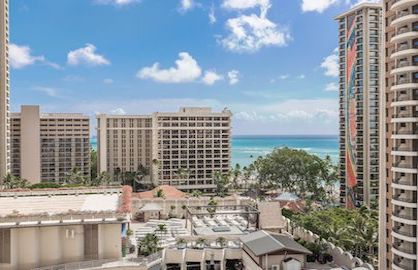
110,243
340,256
50,245
30,144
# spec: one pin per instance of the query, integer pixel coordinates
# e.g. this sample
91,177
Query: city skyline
73,65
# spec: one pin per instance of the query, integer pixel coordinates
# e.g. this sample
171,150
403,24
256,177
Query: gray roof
261,243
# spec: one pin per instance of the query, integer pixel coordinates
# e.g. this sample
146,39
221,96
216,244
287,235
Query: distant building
183,149
4,89
47,146
360,42
398,206
45,228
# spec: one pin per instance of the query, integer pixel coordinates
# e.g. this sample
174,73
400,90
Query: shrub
44,185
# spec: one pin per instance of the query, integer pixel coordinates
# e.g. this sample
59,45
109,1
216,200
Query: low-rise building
47,146
51,227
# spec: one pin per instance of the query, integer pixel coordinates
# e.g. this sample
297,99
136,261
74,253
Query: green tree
212,204
11,182
159,194
149,244
102,178
236,173
76,177
196,193
93,164
221,241
223,183
161,229
296,171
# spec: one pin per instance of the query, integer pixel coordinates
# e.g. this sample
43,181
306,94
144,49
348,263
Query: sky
273,63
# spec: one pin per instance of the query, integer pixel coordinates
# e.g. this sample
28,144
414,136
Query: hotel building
398,210
184,149
46,146
360,42
4,89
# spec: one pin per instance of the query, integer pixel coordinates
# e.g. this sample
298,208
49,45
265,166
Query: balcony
400,263
402,4
404,66
404,250
404,84
405,200
405,183
404,50
405,167
404,216
404,17
403,34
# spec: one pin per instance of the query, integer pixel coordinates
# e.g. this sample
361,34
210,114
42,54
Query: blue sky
272,62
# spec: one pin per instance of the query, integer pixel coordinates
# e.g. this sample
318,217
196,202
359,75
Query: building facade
4,89
184,149
47,146
360,41
398,211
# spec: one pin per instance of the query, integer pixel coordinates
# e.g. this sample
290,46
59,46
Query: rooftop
262,242
169,192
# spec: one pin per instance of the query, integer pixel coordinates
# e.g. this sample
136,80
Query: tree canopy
296,171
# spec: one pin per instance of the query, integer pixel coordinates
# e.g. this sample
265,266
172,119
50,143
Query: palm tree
75,176
181,243
201,243
222,183
182,174
196,193
159,194
221,241
212,204
10,182
161,228
149,244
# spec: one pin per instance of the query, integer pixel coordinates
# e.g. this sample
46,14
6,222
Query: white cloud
116,2
331,87
186,5
211,77
233,77
87,56
108,81
295,116
186,70
358,2
246,4
284,76
301,76
212,17
20,57
330,64
317,5
118,111
52,92
251,33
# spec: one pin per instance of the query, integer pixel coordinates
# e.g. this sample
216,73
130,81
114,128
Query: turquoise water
246,149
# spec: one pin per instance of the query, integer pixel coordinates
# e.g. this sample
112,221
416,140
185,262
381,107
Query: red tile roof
170,192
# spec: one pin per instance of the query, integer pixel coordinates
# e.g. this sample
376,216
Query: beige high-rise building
4,89
47,146
398,206
360,43
184,149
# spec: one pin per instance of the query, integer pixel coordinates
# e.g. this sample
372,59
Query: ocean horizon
247,148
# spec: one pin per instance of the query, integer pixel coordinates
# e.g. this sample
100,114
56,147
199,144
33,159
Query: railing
143,261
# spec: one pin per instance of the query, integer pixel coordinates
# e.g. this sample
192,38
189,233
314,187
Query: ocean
245,149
